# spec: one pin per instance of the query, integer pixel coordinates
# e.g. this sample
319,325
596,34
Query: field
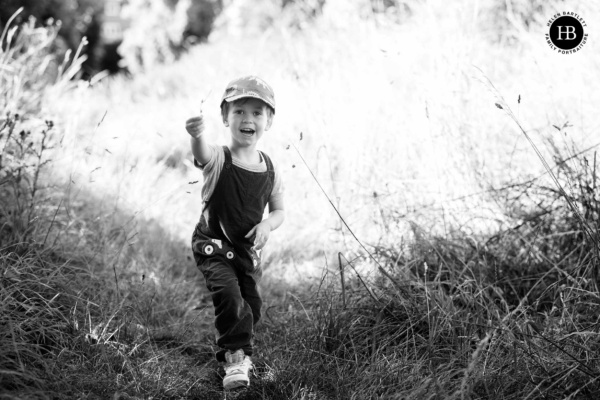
441,237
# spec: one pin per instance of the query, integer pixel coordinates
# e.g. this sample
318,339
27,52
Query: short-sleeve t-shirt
211,172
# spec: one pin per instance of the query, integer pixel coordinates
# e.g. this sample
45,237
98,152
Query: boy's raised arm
200,149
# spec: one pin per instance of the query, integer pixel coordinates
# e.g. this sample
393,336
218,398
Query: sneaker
237,366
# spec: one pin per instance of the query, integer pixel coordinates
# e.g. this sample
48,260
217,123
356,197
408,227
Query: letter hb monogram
569,32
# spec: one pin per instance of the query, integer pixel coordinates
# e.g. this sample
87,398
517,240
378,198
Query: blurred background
390,103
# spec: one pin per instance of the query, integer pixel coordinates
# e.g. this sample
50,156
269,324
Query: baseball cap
249,86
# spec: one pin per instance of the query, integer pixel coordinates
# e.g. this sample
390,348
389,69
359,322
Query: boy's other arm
200,149
275,219
276,213
263,230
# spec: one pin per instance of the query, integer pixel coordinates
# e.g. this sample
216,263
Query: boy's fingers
197,118
260,244
195,124
250,233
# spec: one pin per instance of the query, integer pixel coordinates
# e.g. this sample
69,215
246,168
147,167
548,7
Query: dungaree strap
226,165
267,160
228,160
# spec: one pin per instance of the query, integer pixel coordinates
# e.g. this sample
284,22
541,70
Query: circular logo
566,32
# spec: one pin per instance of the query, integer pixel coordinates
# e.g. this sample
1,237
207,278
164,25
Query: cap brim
241,96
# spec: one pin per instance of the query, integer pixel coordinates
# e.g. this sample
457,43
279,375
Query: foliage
161,30
27,68
547,246
73,14
201,15
21,161
77,19
103,300
174,25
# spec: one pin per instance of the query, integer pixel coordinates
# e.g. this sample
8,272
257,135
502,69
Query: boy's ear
269,121
224,112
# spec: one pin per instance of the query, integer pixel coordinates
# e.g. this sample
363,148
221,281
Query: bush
77,19
26,63
28,71
161,30
201,15
22,157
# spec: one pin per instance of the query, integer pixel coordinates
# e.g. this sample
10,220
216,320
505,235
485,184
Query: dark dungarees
231,267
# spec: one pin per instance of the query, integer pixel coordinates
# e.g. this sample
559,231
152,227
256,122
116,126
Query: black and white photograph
299,199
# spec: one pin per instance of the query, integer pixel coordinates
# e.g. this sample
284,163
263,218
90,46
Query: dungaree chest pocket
255,187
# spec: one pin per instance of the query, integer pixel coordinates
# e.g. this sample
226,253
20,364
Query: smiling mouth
247,131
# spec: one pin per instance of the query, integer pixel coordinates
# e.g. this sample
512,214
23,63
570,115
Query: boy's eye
257,113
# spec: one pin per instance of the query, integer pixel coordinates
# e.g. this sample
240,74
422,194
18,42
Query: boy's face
248,120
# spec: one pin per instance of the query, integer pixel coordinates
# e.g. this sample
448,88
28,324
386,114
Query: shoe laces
238,363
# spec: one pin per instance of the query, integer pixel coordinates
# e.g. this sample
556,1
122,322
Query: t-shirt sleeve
209,165
211,170
276,198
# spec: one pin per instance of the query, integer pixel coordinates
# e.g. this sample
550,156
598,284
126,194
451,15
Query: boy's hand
261,234
195,126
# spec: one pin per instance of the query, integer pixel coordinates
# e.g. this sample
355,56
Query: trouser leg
236,302
250,293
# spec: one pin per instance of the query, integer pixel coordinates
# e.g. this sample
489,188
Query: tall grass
485,288
71,314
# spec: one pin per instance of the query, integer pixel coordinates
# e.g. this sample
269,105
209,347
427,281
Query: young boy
239,181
